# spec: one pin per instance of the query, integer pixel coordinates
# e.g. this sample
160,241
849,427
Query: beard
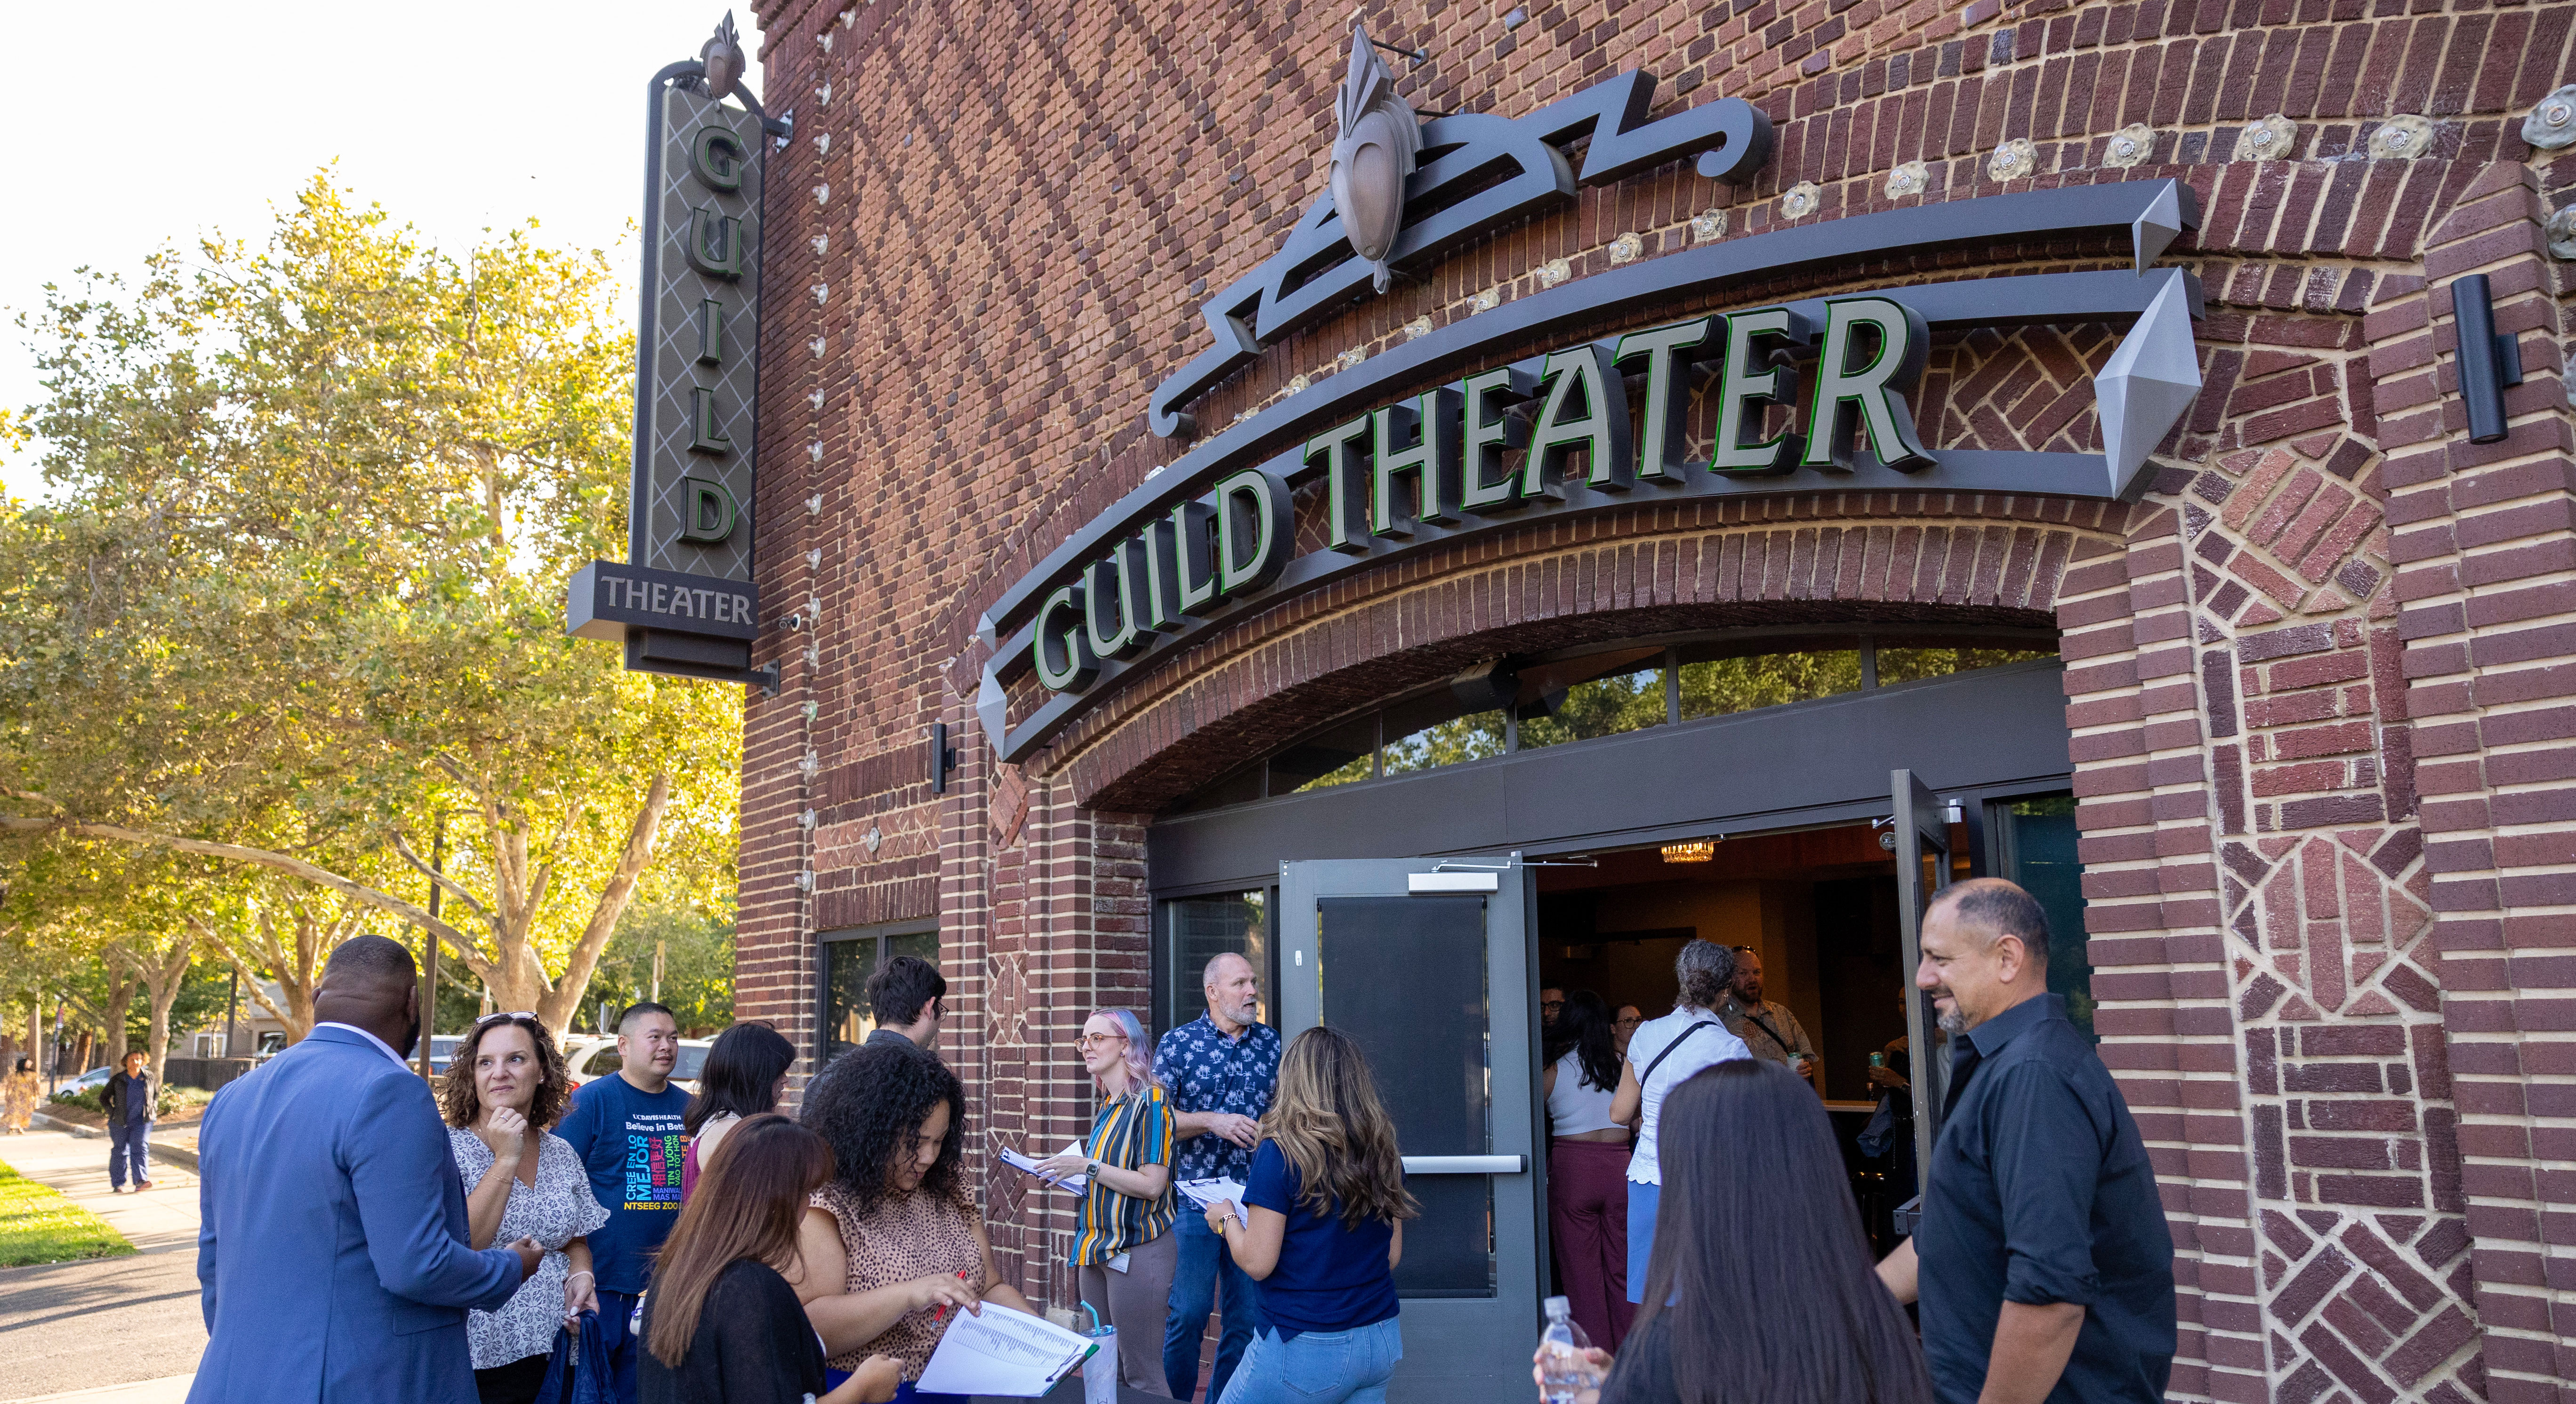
410,1038
1954,1023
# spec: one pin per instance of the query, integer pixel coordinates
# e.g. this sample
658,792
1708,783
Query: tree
696,951
371,468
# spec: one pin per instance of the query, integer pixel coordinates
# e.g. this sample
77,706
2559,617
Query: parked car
596,1057
442,1047
90,1081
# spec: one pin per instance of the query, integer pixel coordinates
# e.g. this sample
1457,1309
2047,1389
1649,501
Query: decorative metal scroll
1506,167
1196,545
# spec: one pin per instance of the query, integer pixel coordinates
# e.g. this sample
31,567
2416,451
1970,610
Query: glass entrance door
1922,824
1426,964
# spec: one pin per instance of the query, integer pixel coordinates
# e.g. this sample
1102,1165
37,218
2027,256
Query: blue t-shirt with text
631,1143
1329,1278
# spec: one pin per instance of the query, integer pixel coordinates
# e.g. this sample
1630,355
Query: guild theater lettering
1510,440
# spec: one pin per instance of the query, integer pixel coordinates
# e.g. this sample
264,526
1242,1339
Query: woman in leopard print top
893,1242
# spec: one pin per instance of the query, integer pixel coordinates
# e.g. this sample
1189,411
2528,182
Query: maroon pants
1587,1211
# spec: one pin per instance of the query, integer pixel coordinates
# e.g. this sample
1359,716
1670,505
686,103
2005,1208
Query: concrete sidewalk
56,1317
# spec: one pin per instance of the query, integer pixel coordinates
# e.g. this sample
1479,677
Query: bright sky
455,117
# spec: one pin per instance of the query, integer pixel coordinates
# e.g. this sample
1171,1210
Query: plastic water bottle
1564,1372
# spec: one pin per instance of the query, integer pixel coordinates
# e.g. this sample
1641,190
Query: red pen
941,1316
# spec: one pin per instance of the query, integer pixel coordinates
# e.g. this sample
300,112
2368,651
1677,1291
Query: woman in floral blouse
505,1086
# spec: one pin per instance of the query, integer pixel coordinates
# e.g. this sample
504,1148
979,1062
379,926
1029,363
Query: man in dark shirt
908,997
2043,1260
127,1100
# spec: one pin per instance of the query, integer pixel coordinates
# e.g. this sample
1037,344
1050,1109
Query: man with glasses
908,997
627,1131
1767,1027
1551,1004
1219,1071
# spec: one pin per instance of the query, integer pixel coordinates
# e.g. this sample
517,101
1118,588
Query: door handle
1465,1164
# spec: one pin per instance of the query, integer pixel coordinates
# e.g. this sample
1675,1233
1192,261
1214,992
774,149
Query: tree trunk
163,973
120,1000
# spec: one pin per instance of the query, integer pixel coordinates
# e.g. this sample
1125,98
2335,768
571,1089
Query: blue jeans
1205,1273
1641,1235
904,1393
129,1147
617,1334
1319,1367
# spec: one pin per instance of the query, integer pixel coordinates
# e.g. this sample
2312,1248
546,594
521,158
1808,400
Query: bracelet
583,1273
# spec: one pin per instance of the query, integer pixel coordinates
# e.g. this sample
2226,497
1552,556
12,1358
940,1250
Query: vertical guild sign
684,601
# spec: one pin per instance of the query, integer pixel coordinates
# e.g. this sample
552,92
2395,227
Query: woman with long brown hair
504,1091
1321,1229
721,1325
1754,1197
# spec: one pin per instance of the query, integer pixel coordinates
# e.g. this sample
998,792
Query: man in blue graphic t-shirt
626,1129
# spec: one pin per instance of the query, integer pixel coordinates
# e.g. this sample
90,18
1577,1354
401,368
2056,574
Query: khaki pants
1137,1302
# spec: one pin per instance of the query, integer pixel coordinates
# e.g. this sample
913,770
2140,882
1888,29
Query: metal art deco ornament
724,60
2552,124
1373,156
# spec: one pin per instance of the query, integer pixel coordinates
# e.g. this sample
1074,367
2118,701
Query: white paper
1017,1161
1001,1351
1210,1193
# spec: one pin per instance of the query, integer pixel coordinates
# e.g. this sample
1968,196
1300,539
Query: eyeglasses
513,1014
1089,1039
1630,1023
1747,950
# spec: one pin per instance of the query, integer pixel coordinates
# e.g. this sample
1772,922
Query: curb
180,1156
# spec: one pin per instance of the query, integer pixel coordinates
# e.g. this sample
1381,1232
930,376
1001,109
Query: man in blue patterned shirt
1219,1071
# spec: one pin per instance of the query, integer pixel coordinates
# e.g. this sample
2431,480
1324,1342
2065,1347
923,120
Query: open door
1922,825
1426,963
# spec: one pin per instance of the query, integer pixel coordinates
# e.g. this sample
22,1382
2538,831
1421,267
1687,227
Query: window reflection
847,964
1720,686
1428,732
1606,692
1601,694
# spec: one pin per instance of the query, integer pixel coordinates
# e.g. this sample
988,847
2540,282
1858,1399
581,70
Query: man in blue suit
333,1247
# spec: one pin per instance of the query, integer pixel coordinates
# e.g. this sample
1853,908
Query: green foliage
697,963
300,591
1719,686
38,1225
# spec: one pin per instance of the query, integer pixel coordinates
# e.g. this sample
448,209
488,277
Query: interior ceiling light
1691,851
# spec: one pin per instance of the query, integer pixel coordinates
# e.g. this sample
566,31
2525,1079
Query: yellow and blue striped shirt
1130,1132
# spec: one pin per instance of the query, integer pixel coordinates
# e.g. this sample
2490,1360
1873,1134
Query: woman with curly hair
892,1244
504,1089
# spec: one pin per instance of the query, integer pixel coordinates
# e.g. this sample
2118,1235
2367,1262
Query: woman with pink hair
1123,1249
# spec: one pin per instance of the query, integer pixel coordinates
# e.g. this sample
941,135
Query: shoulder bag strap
1669,1047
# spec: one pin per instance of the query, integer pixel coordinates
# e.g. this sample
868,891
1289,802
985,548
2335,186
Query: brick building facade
2317,679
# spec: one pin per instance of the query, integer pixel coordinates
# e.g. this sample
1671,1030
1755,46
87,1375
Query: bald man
332,1248
1219,1070
2043,1262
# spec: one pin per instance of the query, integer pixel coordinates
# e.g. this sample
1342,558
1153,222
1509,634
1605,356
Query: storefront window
1607,692
1601,694
1900,665
1743,681
849,958
1337,757
1203,928
1429,732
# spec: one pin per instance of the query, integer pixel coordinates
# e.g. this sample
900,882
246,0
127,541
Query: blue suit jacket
333,1240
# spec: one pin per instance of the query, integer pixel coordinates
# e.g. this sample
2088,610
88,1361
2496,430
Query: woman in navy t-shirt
1321,1229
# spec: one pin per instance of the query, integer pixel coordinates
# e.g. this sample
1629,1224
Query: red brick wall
2317,681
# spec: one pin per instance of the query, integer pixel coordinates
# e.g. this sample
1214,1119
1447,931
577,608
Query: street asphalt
115,1330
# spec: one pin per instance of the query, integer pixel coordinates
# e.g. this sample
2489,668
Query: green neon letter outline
1346,527
1742,392
1060,651
1601,433
1110,586
717,159
1431,423
1667,392
1490,431
1194,556
1849,399
1255,529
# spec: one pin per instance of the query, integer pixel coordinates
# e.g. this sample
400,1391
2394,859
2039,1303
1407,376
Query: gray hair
1207,976
1998,909
1705,969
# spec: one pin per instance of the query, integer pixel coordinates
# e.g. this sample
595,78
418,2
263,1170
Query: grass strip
38,1225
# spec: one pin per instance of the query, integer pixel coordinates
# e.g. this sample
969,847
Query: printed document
1076,1183
1207,1194
1005,1352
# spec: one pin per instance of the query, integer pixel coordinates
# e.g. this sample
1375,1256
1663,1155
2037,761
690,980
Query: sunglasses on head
513,1015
